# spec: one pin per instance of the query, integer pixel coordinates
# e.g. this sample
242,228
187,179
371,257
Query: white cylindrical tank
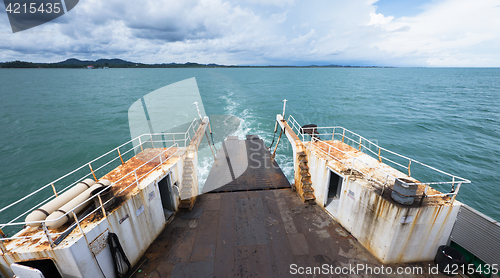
71,205
41,213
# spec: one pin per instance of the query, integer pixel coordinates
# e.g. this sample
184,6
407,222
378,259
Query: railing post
152,144
49,238
343,135
456,192
379,158
54,189
92,170
80,227
140,144
409,171
120,155
333,134
3,248
360,138
102,206
136,179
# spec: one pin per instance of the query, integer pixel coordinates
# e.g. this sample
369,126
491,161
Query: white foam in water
249,124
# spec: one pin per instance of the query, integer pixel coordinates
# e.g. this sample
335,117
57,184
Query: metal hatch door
165,188
26,271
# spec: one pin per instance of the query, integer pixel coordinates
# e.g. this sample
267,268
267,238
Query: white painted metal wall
393,233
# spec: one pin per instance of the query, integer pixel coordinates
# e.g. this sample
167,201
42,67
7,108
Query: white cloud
379,19
447,33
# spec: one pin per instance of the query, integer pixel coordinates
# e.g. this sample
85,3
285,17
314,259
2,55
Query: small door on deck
165,187
333,192
334,186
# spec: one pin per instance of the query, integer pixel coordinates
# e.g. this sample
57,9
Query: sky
426,33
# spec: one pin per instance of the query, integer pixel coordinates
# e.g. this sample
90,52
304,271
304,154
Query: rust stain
40,244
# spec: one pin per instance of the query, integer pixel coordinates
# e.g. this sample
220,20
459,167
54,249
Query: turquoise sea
55,120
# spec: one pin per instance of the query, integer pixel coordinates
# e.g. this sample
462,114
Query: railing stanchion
102,206
343,135
379,157
136,179
92,170
333,134
140,143
49,238
152,144
54,189
409,171
120,155
360,138
2,247
455,193
80,227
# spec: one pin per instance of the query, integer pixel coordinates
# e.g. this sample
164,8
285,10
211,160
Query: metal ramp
244,165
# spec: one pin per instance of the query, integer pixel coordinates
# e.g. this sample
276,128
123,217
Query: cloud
447,33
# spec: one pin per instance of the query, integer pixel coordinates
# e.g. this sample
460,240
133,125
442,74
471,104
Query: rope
274,136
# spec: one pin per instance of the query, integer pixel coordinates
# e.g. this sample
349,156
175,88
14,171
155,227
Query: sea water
55,120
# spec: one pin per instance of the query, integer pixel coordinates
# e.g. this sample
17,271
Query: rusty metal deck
254,234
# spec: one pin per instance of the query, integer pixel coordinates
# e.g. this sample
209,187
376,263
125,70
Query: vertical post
152,144
120,155
333,134
379,158
49,238
2,247
329,147
343,135
80,227
409,171
360,138
284,106
92,170
54,189
102,206
140,144
456,192
136,179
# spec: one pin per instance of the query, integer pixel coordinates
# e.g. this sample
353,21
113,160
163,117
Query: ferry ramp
255,225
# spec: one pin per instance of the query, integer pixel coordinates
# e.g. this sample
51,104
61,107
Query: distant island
119,63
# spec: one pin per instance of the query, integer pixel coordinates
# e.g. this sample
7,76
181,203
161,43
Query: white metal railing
318,136
105,163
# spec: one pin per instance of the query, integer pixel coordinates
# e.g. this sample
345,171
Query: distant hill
119,63
100,62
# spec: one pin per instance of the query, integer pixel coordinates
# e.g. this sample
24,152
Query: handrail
363,144
118,154
101,207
